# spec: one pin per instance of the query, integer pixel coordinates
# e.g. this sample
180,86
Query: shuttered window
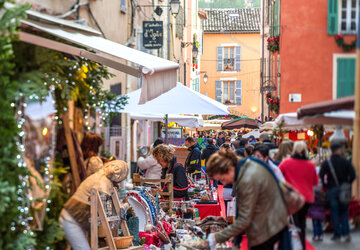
348,16
238,92
332,17
218,91
228,58
345,77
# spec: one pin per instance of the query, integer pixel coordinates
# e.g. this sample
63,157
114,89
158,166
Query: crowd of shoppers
248,172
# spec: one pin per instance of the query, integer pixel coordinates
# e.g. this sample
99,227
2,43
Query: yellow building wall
249,73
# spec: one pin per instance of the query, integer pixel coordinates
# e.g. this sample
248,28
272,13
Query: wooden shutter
237,58
345,77
238,92
219,58
332,17
218,91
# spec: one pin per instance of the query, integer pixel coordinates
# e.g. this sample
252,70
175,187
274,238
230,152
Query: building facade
231,59
317,50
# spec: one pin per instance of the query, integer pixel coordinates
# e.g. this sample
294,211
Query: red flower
276,38
339,36
269,99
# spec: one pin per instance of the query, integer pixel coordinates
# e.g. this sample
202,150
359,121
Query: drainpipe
262,60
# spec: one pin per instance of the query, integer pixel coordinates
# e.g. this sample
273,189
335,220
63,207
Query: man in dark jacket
221,140
209,150
240,151
193,160
344,172
265,138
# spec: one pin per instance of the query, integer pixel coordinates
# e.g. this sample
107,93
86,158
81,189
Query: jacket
220,141
343,169
193,160
301,174
261,211
179,179
208,151
152,167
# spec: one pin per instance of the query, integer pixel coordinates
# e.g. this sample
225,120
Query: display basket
123,242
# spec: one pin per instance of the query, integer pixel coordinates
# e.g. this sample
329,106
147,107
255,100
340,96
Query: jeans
317,226
339,213
74,233
300,222
269,244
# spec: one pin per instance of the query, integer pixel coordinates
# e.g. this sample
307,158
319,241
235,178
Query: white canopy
182,120
255,133
179,100
341,117
158,74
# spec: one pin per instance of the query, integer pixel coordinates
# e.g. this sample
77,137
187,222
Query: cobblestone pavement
328,244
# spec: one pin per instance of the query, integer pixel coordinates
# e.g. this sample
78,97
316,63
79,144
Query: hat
335,145
116,170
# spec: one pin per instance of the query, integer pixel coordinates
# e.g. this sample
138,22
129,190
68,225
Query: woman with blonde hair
300,172
285,151
164,154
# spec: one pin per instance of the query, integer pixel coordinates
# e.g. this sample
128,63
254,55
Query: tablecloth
208,209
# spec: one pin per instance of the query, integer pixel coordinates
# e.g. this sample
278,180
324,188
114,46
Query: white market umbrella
179,100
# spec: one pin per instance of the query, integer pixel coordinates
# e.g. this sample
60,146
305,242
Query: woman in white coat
150,165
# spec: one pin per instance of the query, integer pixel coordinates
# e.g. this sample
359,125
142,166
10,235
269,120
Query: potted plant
227,102
273,44
273,102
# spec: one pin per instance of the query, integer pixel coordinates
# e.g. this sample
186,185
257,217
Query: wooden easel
168,181
97,209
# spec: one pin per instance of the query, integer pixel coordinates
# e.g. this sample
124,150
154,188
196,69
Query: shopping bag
231,210
295,236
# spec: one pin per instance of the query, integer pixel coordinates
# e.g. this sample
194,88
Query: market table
213,209
208,210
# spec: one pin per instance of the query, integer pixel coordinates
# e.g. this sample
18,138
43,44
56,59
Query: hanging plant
273,44
273,102
342,44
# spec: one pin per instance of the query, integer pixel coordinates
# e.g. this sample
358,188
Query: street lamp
205,78
175,7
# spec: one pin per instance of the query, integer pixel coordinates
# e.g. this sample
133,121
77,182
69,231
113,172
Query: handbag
345,194
294,201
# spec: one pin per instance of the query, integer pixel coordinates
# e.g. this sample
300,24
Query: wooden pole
356,140
71,151
94,220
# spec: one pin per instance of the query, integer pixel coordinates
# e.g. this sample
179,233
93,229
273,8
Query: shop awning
346,103
158,74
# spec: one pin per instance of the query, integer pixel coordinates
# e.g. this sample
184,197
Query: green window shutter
332,17
276,24
345,77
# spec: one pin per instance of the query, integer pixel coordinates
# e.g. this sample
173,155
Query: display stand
168,182
97,210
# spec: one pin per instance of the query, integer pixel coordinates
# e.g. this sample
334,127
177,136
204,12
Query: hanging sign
153,34
172,133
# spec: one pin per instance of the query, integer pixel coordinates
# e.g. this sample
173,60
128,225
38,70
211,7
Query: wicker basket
123,242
